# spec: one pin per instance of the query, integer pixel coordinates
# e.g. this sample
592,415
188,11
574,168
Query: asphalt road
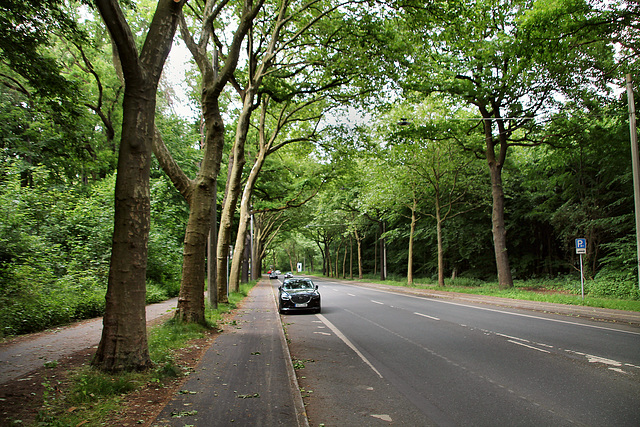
380,358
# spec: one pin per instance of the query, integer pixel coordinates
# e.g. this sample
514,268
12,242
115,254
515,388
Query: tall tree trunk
212,245
200,192
123,345
327,259
375,258
257,256
499,230
383,261
359,243
337,273
245,206
246,258
233,189
239,252
497,192
191,298
344,263
411,234
350,258
440,248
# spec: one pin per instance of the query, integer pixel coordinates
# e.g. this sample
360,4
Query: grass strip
89,397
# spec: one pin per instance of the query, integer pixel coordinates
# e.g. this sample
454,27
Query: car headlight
285,296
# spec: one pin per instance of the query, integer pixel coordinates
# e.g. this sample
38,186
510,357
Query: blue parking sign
581,246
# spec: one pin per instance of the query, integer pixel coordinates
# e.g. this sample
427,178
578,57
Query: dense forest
432,142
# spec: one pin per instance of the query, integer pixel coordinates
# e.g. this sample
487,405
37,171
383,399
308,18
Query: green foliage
91,384
22,47
170,335
55,245
614,284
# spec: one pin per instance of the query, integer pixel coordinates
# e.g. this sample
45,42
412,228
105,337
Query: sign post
581,249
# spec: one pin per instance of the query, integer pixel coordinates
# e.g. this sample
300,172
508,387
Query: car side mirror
316,287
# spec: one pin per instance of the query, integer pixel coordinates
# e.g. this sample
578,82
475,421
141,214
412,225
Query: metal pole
634,163
581,277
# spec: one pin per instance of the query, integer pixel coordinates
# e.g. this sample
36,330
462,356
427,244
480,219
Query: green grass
92,395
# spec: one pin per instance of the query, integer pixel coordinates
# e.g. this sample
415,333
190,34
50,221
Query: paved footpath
245,378
21,355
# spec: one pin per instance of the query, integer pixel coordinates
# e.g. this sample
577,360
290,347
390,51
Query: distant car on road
288,275
273,275
298,294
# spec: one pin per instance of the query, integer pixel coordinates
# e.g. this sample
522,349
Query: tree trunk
257,256
200,192
337,273
497,192
383,261
440,248
212,245
246,258
351,258
359,244
191,298
411,234
328,258
239,252
234,187
123,345
375,259
344,263
499,230
245,216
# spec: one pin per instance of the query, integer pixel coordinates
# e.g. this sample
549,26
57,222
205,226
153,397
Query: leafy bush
156,293
612,284
55,249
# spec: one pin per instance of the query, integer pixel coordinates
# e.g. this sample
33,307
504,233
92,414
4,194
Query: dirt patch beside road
23,398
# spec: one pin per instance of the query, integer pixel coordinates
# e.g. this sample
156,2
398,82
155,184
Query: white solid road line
347,342
424,315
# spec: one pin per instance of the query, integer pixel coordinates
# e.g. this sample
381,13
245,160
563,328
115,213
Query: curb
301,413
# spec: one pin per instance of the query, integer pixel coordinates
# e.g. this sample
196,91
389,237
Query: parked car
298,294
273,274
288,275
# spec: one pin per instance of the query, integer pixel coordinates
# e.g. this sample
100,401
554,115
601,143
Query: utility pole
634,163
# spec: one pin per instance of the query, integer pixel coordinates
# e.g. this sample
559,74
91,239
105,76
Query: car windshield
298,284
